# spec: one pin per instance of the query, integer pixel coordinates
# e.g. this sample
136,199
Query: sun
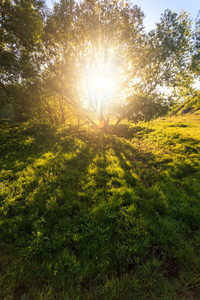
100,85
101,89
100,82
103,83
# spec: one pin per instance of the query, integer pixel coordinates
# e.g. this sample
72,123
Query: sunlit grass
91,215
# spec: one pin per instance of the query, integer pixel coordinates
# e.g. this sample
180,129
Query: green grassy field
89,215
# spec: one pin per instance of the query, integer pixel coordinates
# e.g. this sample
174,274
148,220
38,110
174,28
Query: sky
154,8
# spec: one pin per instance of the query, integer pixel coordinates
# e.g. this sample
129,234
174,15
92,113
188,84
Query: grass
89,215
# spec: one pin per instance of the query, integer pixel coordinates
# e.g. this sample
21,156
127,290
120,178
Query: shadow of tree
24,143
128,132
86,203
133,160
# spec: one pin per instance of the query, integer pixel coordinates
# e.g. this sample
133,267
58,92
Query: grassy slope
85,215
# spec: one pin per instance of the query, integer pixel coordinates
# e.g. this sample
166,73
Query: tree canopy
21,38
93,60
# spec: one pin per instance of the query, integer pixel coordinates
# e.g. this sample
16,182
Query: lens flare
100,90
101,86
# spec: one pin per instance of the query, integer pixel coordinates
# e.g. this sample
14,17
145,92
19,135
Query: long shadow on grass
53,223
128,132
133,160
23,143
102,176
47,209
57,179
52,189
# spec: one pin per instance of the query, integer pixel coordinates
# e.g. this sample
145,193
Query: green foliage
108,38
101,38
196,54
85,215
20,31
189,104
66,48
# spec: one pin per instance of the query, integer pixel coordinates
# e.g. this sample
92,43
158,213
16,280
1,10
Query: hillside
89,215
190,105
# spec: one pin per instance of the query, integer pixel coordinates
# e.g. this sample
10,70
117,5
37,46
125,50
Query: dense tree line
89,58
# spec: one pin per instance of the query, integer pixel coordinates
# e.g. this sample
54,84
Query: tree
21,29
93,59
195,66
97,54
103,62
169,52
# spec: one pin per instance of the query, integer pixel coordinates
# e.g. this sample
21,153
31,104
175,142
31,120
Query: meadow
91,215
